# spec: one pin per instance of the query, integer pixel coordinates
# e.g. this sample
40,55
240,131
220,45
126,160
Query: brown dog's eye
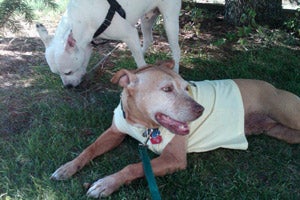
167,89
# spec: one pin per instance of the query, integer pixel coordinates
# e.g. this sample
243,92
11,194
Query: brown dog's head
155,95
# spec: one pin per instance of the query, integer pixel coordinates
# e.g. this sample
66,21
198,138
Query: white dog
69,51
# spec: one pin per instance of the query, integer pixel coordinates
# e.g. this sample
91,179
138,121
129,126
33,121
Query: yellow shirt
220,126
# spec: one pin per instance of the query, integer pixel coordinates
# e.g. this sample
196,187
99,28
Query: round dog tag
156,140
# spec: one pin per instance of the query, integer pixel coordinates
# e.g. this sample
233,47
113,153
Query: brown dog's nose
198,109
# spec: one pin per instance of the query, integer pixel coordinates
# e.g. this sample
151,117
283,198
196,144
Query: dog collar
152,134
124,114
191,84
114,7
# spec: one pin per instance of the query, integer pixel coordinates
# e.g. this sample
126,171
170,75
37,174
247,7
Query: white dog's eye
167,89
68,73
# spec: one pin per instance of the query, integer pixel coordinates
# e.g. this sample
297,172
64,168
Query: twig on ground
102,61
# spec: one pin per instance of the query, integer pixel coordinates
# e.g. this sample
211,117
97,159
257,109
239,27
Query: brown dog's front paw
64,172
103,187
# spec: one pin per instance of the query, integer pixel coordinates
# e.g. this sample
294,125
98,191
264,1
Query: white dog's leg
172,30
133,43
171,23
45,37
147,24
121,29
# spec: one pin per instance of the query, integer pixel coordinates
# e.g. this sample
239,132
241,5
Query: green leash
148,172
155,139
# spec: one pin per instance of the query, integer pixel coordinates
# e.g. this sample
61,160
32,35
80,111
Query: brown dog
157,97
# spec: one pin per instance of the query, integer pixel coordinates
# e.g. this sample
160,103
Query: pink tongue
180,128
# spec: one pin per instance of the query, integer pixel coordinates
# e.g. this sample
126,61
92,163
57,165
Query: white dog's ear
43,33
124,78
71,42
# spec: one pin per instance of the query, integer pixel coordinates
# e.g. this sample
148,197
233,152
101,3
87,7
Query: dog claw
64,172
39,25
58,175
103,187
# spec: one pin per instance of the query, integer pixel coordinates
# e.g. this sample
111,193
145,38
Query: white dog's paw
103,187
46,38
64,172
41,29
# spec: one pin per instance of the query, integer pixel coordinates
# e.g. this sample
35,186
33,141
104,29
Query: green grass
53,125
63,122
269,64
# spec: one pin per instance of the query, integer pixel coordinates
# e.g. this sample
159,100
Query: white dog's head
65,56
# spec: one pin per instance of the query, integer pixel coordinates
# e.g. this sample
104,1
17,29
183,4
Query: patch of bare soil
18,53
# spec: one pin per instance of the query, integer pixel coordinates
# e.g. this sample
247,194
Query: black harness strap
114,7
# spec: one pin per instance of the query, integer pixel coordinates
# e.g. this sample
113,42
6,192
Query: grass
44,125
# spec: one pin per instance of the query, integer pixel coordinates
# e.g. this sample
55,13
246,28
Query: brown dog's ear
168,63
124,78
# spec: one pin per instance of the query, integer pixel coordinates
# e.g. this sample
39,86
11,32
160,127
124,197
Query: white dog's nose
69,86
